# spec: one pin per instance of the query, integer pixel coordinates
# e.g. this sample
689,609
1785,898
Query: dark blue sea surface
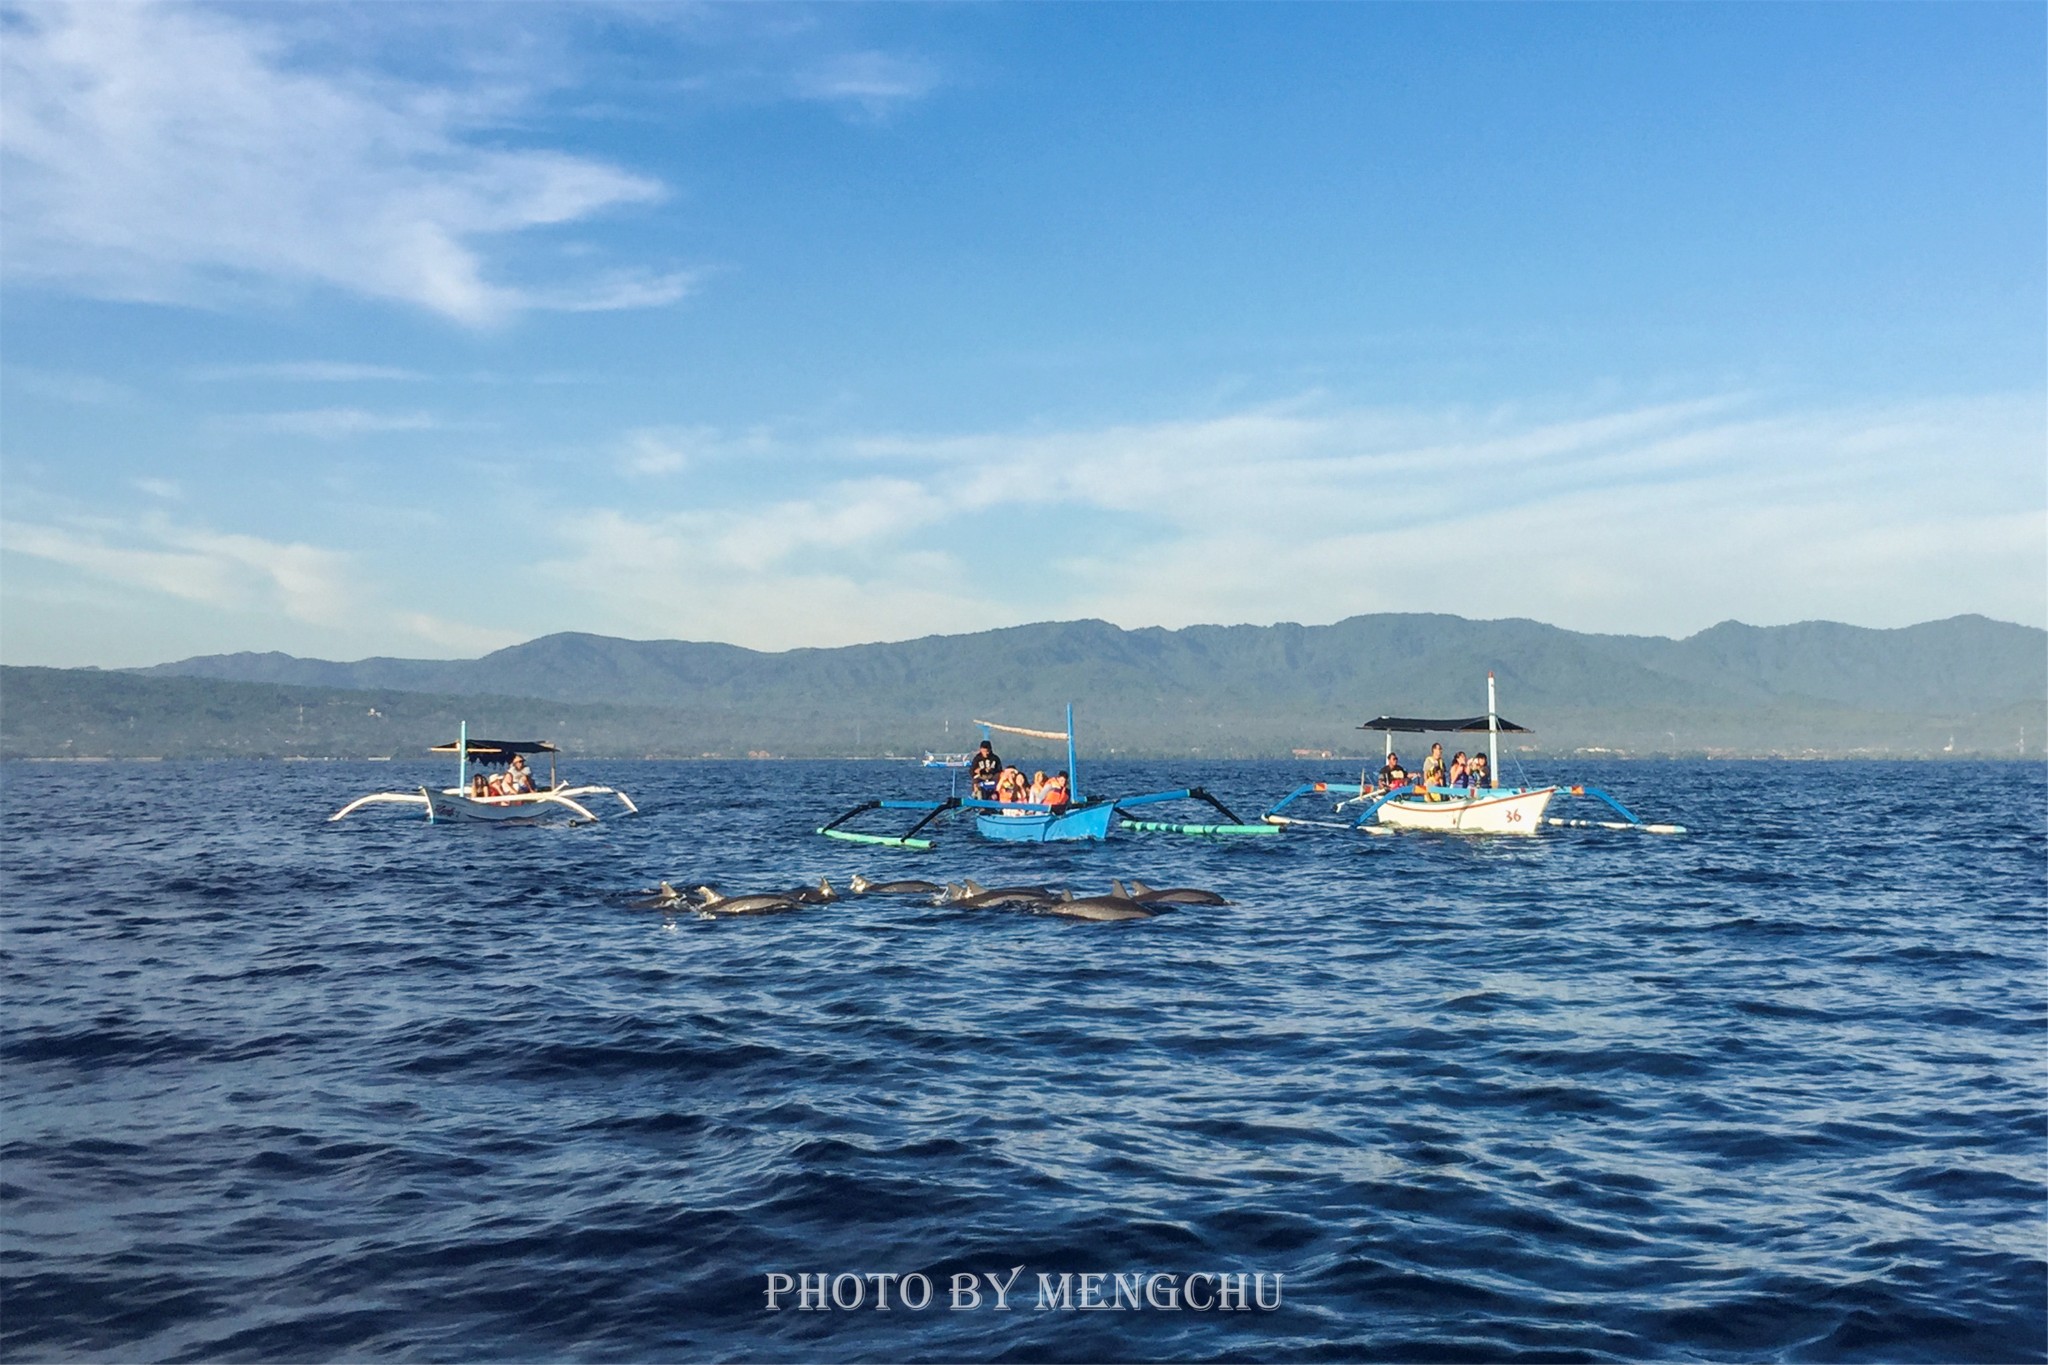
276,1089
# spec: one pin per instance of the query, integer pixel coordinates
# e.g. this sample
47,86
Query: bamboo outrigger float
1025,822
460,803
1456,810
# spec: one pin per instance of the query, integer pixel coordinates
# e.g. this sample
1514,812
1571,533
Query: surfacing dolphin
972,895
1173,895
709,902
821,894
1100,908
664,898
861,886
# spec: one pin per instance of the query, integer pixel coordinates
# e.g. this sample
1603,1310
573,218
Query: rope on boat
1019,730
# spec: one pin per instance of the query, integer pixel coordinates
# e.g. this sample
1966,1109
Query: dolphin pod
1131,900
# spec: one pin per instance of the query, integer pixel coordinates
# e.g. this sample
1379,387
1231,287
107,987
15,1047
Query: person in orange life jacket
1057,794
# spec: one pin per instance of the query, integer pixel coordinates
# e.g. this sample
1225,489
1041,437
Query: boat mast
1073,768
1492,734
462,760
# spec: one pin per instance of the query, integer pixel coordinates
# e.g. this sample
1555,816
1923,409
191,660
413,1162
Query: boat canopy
1408,725
490,753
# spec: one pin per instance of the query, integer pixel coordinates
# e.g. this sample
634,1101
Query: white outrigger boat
1456,810
462,802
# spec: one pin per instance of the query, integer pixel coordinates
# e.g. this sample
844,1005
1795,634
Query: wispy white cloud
332,424
875,83
1658,519
223,570
310,372
87,390
169,153
453,639
166,489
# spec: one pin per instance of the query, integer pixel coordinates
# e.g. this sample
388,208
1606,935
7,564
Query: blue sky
421,330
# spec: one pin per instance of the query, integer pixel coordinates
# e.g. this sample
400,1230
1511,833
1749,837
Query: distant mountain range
1963,685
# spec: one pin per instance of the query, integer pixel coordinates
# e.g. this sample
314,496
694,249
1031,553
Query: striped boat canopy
1408,725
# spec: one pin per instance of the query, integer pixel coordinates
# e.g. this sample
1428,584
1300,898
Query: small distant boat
460,803
1024,822
946,760
1456,810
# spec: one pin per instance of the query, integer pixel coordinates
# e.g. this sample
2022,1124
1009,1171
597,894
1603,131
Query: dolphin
821,894
861,886
1100,908
709,902
972,895
1176,895
667,898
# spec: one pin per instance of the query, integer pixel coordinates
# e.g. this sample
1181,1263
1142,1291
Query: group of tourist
991,779
1467,773
516,780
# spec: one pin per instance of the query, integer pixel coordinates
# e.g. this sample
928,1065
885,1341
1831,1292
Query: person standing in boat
982,773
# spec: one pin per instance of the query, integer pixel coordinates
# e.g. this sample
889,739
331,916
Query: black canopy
1407,725
492,752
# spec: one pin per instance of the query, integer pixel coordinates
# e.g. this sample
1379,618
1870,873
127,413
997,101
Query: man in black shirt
982,772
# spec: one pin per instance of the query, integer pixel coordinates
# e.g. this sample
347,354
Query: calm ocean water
280,1090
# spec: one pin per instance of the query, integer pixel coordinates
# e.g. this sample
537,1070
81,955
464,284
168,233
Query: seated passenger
1010,786
479,786
1433,767
1480,777
1457,775
518,778
496,785
1035,794
1057,793
1389,768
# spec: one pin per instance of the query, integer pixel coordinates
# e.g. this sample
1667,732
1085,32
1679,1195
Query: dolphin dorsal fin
669,891
974,888
707,896
1117,889
825,885
1138,888
1065,895
858,884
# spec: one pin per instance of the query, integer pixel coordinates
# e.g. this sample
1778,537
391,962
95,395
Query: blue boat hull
1088,822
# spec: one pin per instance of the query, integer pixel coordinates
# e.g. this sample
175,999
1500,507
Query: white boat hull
1493,810
454,805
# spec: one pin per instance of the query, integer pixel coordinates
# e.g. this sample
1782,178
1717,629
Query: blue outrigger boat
1027,823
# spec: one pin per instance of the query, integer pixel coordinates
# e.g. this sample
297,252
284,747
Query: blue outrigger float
1028,823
